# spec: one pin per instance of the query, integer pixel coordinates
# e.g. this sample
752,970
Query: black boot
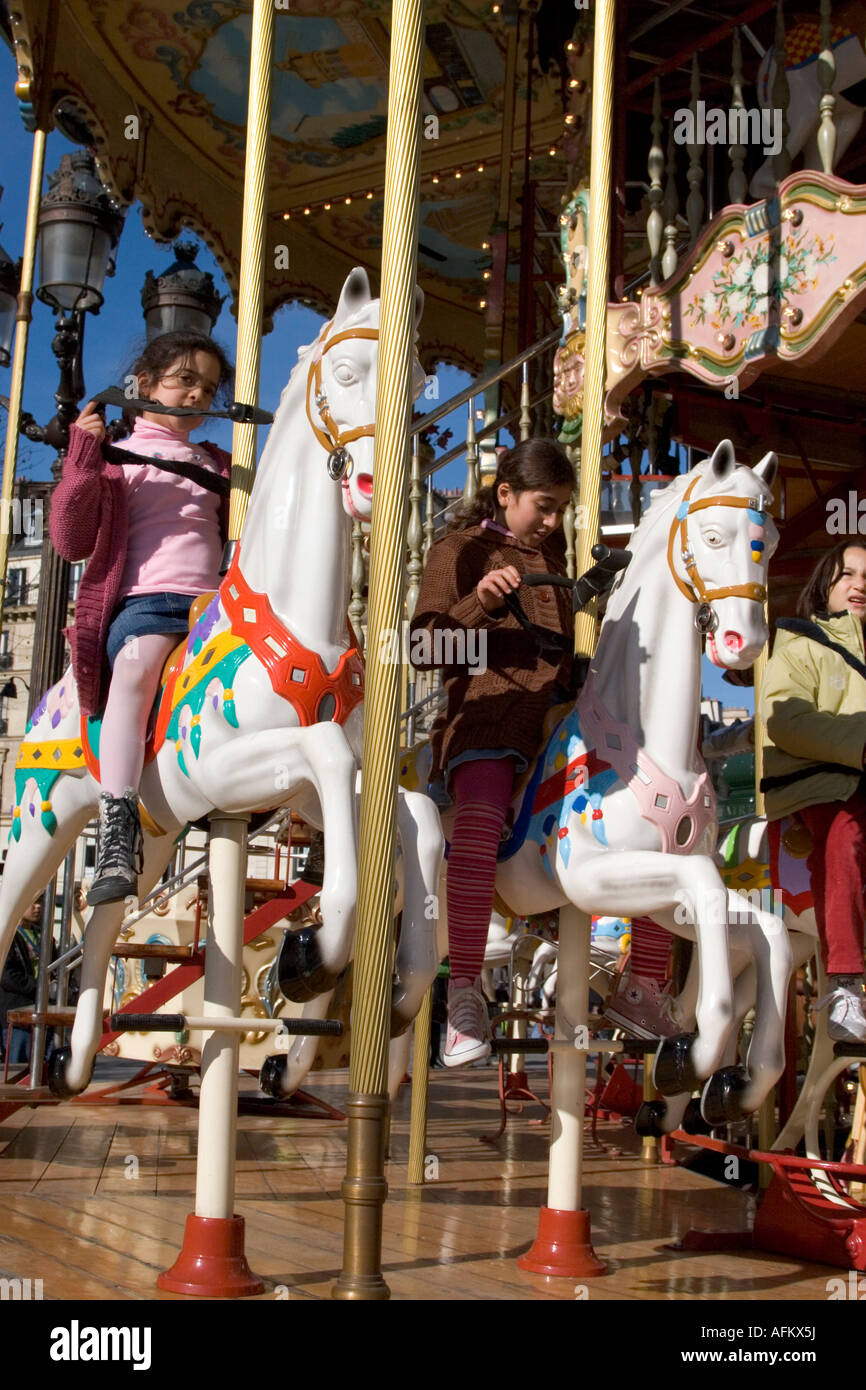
313,871
119,857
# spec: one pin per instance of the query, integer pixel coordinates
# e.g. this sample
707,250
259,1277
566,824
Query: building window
16,587
75,573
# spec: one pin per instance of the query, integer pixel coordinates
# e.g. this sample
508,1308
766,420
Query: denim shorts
439,789
141,614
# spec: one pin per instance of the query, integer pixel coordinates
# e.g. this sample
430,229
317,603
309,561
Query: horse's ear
355,294
767,470
723,461
419,304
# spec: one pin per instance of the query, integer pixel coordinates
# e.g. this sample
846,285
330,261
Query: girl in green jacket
813,705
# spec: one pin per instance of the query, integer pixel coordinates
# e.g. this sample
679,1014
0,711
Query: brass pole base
364,1191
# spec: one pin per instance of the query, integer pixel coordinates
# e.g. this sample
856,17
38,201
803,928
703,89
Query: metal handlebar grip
147,1023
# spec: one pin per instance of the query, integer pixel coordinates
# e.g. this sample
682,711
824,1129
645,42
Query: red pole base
563,1246
212,1263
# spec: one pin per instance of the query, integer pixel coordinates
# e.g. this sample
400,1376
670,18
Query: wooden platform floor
93,1201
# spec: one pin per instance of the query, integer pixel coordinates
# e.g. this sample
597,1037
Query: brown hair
816,594
532,464
163,352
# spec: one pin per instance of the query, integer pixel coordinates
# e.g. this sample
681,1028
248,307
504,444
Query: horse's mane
360,319
663,502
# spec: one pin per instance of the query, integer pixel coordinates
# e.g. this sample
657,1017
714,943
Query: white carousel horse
618,817
261,706
746,854
803,47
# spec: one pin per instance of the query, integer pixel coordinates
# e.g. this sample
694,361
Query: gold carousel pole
767,1112
252,274
563,1244
212,1262
364,1187
598,255
19,360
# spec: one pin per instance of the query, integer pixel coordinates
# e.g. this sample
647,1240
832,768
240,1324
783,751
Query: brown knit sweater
504,706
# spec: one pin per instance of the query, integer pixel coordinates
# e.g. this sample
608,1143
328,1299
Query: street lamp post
10,283
183,297
79,227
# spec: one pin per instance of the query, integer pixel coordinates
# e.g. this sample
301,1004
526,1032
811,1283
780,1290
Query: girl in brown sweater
499,681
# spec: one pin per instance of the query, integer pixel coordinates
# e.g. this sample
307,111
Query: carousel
639,227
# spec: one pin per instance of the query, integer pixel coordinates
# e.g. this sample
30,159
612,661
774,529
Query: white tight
134,681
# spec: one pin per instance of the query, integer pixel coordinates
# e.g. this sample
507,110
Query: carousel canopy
159,92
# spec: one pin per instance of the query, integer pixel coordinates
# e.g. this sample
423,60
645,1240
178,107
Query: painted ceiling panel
181,70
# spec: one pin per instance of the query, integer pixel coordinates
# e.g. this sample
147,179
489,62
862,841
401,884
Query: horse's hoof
722,1099
400,1019
648,1120
57,1068
273,1075
300,971
674,1071
693,1121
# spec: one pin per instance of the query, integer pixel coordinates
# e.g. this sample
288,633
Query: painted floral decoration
745,286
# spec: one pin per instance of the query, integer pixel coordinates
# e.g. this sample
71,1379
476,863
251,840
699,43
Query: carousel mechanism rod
586,1043
180,1023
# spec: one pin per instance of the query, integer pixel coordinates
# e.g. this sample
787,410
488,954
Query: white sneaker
468,1036
846,1020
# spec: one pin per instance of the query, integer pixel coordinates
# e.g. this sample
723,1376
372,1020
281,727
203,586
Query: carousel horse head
719,546
341,390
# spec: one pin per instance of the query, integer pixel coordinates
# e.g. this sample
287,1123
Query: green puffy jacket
813,708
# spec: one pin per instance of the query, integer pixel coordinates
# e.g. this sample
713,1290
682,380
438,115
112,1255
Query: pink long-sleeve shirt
90,517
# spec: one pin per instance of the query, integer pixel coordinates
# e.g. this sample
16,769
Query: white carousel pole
212,1262
562,1245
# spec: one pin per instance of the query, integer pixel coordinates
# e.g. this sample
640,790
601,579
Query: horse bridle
331,438
706,621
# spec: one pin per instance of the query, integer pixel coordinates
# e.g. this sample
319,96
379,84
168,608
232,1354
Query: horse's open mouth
365,484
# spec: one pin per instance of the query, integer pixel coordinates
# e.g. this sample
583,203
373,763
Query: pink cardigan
89,517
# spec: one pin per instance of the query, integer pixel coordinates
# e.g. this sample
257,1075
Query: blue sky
115,335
